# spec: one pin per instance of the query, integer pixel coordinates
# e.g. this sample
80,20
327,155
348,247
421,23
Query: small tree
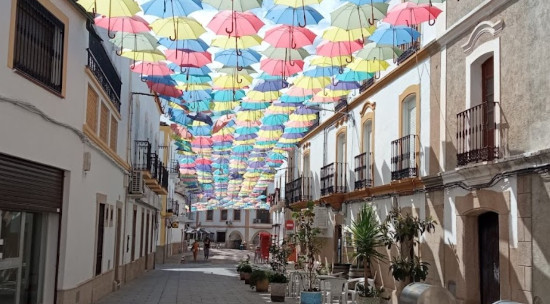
307,236
279,256
404,231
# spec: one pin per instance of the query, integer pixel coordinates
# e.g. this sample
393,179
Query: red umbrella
201,141
224,21
287,36
222,138
281,67
152,68
164,89
222,122
203,161
181,131
189,58
133,24
408,13
332,49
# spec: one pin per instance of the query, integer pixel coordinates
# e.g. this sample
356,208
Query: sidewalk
207,282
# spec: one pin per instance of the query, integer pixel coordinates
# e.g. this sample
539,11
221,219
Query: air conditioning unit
256,221
137,184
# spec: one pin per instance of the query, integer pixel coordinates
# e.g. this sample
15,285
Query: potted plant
247,270
368,294
240,265
404,231
307,237
259,280
367,237
278,279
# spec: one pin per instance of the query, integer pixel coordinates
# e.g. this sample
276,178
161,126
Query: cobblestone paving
208,282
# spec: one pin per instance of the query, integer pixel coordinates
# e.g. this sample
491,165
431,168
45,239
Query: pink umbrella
203,161
220,138
332,49
181,131
224,24
281,67
300,92
222,122
133,24
408,13
247,123
287,36
189,58
324,99
152,68
164,89
298,124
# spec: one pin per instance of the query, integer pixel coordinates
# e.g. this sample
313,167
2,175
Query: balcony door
408,128
340,166
488,98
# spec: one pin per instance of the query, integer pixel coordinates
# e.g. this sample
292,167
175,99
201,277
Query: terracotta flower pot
241,275
247,277
262,285
278,292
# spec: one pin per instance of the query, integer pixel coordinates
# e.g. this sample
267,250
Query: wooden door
100,233
489,267
488,95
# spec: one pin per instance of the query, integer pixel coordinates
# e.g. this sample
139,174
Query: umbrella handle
291,63
239,52
341,70
334,83
239,81
118,52
305,21
430,23
350,59
371,22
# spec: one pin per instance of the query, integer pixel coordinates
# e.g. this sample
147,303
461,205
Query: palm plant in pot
278,279
404,231
307,236
367,237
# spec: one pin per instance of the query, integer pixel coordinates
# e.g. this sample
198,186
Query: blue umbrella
171,8
202,117
242,148
247,130
275,119
197,45
254,105
322,71
294,99
293,135
204,70
197,95
200,130
246,136
179,116
344,85
167,80
351,75
198,106
296,130
271,85
228,95
305,111
394,35
243,59
301,16
272,128
190,78
361,2
266,76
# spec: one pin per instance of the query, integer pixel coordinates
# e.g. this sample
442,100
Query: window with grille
91,109
209,215
38,51
224,215
104,123
114,134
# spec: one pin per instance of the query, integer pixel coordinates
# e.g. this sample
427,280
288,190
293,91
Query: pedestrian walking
206,248
195,249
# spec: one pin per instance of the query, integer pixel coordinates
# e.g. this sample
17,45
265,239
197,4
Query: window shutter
104,124
91,109
114,134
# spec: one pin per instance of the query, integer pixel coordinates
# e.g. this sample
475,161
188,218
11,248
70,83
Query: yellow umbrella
270,133
303,117
297,3
230,81
290,140
224,106
250,115
263,96
178,28
330,93
151,56
369,66
336,34
174,105
243,42
279,110
324,61
307,82
194,86
110,8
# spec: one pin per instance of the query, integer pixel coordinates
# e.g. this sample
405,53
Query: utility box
420,293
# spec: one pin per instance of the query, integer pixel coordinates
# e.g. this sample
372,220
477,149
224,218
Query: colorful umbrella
110,8
189,58
239,58
234,5
197,45
295,16
178,28
224,23
408,14
152,68
394,35
132,24
281,67
171,8
287,36
242,42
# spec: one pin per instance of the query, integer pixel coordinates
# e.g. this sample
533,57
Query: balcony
103,69
342,103
403,157
408,50
333,178
366,84
477,138
363,170
155,173
174,167
299,190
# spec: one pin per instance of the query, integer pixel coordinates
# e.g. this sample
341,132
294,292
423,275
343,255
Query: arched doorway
235,239
489,262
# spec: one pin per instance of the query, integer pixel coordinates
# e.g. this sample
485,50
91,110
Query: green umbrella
234,5
135,42
285,53
239,71
351,16
374,51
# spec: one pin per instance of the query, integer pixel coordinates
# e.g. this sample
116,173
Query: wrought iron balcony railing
403,157
366,84
142,155
333,178
363,170
103,69
299,190
477,134
342,103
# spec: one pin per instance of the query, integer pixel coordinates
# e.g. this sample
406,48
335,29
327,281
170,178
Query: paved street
213,281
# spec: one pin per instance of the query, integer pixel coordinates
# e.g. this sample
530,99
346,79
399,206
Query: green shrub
277,277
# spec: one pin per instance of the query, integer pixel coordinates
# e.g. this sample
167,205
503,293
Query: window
114,134
306,168
104,123
408,115
223,216
236,214
209,215
367,136
142,233
262,216
38,50
91,109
